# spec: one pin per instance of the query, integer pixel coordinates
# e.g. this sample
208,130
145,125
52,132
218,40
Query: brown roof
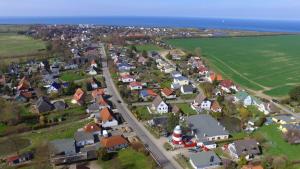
97,92
91,127
23,84
105,115
157,101
215,106
113,141
78,94
246,147
167,91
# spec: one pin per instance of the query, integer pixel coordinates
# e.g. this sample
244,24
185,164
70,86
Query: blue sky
256,9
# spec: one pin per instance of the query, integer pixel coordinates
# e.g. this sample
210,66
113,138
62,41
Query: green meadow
267,63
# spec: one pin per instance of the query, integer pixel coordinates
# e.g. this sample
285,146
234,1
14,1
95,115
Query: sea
289,26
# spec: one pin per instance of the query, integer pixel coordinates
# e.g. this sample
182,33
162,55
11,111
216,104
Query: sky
254,9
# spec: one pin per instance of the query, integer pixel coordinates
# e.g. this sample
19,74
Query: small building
205,160
215,107
83,138
135,86
168,93
60,105
187,89
19,159
159,106
43,105
248,148
147,94
78,97
106,119
114,143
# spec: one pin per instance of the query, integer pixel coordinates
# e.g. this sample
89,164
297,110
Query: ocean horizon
288,26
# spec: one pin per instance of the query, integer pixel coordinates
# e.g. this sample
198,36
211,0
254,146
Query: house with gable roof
106,119
78,97
158,106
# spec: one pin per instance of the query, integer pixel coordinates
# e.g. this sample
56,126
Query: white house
135,86
92,71
127,79
106,119
181,80
159,106
206,104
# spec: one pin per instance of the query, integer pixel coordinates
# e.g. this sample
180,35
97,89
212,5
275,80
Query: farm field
12,44
269,64
148,47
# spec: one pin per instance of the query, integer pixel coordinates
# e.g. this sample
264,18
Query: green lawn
188,96
9,146
148,47
279,91
142,113
12,44
253,62
3,127
186,109
69,76
276,145
128,158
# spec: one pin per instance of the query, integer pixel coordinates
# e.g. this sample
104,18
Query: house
147,94
196,104
205,128
285,119
181,80
228,86
94,63
168,93
135,86
93,128
78,97
159,106
54,88
205,105
83,138
24,84
95,107
19,159
106,119
247,148
60,105
43,105
64,147
213,76
161,122
114,143
271,108
205,160
125,66
94,83
127,79
97,93
175,74
286,127
202,70
24,96
187,89
215,107
142,60
92,71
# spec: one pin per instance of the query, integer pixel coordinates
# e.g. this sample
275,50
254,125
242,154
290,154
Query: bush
167,146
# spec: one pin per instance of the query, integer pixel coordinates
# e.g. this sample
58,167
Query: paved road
164,158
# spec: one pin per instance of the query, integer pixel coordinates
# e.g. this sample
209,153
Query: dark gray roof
160,121
60,105
62,146
188,88
82,136
247,147
44,105
205,159
204,125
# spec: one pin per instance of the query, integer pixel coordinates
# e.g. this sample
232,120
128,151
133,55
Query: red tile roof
215,106
105,115
217,77
113,141
78,94
135,84
167,91
23,84
151,92
91,127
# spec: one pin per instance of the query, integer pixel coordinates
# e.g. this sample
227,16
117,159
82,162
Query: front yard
276,145
69,76
186,109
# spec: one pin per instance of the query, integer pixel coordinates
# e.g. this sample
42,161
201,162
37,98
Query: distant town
88,97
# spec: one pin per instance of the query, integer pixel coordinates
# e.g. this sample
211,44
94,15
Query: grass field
148,47
258,63
70,76
12,44
276,145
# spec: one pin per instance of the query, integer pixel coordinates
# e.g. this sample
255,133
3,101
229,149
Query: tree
41,158
244,114
70,90
103,154
173,121
295,94
229,108
169,56
145,54
133,48
242,161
